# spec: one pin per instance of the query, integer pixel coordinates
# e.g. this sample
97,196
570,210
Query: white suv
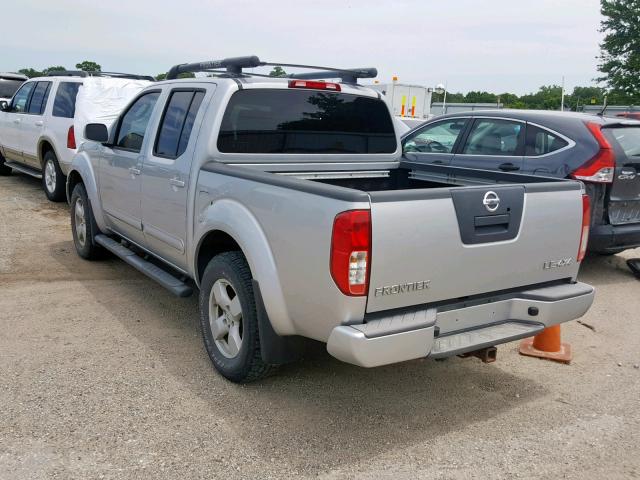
37,134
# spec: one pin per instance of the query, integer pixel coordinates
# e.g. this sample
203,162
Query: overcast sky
494,45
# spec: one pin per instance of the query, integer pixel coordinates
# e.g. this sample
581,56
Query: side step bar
24,169
164,278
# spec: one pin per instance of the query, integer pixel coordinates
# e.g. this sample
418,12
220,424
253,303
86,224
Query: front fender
234,219
83,166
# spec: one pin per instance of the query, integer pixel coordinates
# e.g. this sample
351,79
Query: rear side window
19,101
305,122
64,104
494,137
177,123
541,141
629,140
39,98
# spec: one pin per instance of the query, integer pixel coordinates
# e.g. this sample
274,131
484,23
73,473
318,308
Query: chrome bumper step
468,341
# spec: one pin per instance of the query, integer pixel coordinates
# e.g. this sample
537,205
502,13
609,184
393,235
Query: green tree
88,66
277,71
620,49
55,68
30,72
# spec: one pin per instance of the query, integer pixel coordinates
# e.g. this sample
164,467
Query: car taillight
351,251
586,223
601,167
314,84
71,138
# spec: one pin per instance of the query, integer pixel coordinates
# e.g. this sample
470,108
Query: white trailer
410,103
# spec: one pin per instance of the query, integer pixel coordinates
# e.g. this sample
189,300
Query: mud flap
275,349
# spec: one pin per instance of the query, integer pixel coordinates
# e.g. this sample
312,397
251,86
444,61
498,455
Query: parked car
9,84
604,153
37,134
287,203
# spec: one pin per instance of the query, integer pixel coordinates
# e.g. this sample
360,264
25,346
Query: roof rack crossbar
67,73
234,66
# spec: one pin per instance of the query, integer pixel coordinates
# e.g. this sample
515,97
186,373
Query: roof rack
233,67
80,73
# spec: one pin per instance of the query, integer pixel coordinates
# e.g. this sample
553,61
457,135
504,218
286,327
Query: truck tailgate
447,243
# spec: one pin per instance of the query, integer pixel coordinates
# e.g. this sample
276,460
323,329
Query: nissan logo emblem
491,201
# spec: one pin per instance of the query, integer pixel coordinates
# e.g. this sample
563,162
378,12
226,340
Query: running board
24,169
471,340
164,278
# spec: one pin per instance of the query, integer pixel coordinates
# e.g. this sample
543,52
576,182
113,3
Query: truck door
493,144
121,166
435,142
166,176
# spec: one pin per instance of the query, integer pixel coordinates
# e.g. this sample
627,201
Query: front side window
133,124
541,141
440,137
64,104
298,121
19,102
494,137
39,98
177,122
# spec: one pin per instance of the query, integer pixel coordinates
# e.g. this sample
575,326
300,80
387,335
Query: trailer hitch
487,354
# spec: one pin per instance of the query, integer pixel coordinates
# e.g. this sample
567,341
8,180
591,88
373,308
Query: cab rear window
629,140
305,122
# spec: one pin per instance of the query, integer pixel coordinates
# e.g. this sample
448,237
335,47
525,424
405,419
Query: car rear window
64,104
8,87
629,140
305,122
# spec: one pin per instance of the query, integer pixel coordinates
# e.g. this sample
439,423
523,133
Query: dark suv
604,153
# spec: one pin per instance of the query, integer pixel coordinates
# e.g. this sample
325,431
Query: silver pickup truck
288,204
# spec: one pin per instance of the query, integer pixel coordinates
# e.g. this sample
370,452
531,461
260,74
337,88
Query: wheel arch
228,225
44,145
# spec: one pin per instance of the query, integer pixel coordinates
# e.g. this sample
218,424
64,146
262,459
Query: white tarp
102,99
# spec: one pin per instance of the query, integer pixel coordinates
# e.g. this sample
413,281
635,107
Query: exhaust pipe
487,354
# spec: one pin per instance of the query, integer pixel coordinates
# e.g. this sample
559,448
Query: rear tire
4,170
53,180
83,225
229,321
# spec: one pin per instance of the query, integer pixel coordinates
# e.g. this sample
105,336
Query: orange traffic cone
547,345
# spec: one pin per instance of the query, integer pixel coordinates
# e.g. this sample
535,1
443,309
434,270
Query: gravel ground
103,374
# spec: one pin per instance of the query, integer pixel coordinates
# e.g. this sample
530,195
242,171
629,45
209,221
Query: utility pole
444,100
562,101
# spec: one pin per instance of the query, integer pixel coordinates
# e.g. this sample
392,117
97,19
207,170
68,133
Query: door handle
134,171
508,167
177,182
437,162
39,123
16,120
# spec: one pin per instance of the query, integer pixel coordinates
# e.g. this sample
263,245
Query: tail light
601,167
351,251
71,138
586,223
314,84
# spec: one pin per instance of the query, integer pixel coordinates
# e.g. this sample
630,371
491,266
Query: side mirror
96,132
4,106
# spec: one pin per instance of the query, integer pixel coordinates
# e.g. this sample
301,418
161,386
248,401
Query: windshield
629,140
305,121
8,87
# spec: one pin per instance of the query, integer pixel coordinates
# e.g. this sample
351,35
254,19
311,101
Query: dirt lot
103,375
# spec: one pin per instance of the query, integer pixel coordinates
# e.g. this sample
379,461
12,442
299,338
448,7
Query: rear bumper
455,329
612,238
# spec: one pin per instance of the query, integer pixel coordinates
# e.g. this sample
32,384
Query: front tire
229,320
83,224
53,180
